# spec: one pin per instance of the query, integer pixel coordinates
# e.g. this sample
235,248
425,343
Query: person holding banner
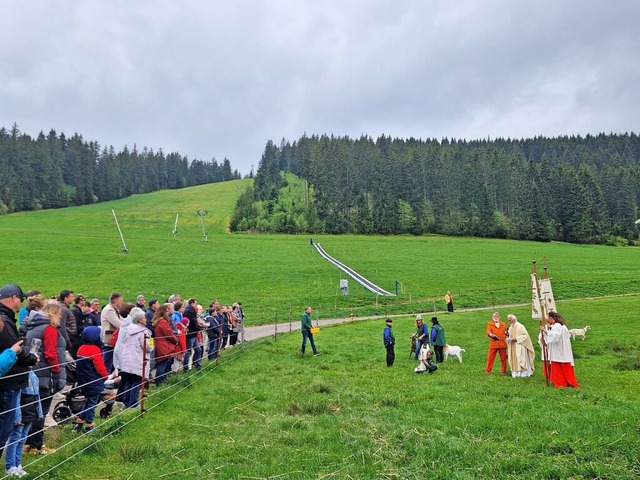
556,336
497,333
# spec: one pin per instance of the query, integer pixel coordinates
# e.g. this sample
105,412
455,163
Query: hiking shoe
77,426
317,354
44,450
89,428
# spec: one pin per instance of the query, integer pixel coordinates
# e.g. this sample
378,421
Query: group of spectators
51,342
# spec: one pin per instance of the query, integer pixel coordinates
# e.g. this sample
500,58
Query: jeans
17,439
307,334
212,346
8,404
419,344
192,343
36,439
163,367
88,412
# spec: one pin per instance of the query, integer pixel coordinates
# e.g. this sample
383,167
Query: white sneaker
16,471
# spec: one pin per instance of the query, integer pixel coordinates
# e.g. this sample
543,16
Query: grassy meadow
266,413
80,249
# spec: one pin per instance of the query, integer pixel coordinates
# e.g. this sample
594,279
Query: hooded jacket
90,369
52,351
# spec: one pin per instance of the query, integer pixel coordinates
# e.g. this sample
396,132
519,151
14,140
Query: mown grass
268,413
79,248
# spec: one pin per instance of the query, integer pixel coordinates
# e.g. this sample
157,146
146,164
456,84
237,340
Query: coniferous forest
574,189
54,171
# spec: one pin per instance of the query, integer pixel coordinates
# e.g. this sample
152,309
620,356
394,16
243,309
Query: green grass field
80,249
267,413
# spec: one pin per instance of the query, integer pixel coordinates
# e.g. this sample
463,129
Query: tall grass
268,413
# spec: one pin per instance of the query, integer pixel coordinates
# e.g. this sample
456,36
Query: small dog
453,351
579,332
414,343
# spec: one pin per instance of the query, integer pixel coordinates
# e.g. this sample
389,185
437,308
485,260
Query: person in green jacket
437,339
305,327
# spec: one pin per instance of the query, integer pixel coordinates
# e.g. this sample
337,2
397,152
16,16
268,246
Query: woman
556,336
42,326
165,342
133,356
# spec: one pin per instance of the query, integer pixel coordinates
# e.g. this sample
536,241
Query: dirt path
261,331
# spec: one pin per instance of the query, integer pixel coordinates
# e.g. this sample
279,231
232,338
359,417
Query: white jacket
133,340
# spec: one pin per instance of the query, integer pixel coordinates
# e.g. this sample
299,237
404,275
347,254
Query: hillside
79,248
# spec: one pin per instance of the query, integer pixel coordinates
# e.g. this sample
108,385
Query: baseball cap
10,290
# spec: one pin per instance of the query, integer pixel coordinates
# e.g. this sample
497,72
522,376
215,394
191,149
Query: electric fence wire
183,381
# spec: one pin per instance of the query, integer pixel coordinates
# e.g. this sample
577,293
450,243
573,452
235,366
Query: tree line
571,188
55,171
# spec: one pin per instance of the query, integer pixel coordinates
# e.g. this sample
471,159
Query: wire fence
149,400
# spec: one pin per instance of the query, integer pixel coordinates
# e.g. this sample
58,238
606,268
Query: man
94,313
438,339
389,342
421,335
110,321
11,298
213,332
68,328
192,336
80,312
141,303
305,327
151,312
519,349
497,333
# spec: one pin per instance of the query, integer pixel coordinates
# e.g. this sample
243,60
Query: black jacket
17,378
192,315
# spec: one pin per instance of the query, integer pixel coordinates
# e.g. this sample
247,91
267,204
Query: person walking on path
437,339
497,333
448,298
305,327
389,342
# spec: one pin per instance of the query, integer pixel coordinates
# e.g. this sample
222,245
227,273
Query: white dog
579,332
453,351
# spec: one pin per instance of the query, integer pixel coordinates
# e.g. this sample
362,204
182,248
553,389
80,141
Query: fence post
275,333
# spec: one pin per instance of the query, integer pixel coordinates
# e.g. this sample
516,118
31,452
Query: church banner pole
543,320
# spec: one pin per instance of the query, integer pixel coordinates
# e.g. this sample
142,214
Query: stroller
74,401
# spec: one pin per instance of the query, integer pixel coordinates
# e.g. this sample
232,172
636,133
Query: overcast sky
219,79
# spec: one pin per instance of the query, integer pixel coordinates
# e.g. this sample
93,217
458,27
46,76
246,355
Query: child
29,411
426,361
91,373
389,342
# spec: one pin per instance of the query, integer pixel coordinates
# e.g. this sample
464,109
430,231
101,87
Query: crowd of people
49,343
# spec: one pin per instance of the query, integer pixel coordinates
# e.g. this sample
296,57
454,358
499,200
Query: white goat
453,351
579,332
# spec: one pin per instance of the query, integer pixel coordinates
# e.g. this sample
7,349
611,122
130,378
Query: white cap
418,317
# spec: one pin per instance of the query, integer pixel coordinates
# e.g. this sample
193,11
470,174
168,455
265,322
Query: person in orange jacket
497,333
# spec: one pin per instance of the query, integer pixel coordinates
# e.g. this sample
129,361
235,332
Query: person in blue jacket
389,342
9,357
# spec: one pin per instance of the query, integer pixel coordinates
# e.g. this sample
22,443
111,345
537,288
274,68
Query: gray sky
219,79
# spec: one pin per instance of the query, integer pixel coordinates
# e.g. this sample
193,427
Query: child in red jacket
91,373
